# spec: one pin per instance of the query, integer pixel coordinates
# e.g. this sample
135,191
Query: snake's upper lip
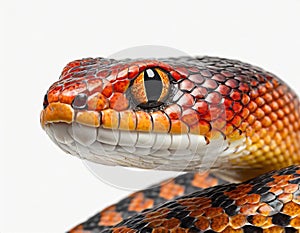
57,112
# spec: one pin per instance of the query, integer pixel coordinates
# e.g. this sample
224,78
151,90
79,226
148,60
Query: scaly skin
146,199
252,110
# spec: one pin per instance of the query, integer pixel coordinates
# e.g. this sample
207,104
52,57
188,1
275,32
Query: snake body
184,114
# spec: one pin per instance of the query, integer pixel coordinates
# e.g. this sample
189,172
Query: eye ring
150,89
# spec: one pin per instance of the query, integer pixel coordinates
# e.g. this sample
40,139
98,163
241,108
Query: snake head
164,113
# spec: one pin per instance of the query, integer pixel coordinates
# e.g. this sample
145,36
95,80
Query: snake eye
150,89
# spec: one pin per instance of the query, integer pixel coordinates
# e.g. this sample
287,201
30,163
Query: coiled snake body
184,114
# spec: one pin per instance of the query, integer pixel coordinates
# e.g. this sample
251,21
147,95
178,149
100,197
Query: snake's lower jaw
148,150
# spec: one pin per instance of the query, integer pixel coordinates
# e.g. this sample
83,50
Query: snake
233,127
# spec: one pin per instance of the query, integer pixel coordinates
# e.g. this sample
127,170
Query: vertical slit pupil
153,85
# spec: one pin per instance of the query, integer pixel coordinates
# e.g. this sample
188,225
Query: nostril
80,101
45,103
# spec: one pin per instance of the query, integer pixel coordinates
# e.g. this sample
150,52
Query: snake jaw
147,150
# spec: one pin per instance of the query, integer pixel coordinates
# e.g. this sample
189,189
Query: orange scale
245,99
265,209
295,222
236,95
174,230
68,94
291,209
218,124
245,113
228,102
171,223
291,188
121,85
237,221
254,94
53,94
97,102
165,66
178,127
229,229
70,65
244,87
196,213
228,129
118,101
237,107
190,117
123,229
173,111
213,212
142,65
175,75
201,128
259,113
249,209
201,106
110,217
236,121
254,83
161,122
229,115
128,120
241,201
94,85
144,121
253,198
262,90
140,202
133,71
266,121
110,119
202,223
107,89
219,223
259,220
268,97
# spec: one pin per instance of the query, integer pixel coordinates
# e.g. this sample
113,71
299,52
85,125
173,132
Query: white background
44,190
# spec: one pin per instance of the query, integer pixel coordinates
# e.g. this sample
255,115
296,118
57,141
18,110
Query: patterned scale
146,199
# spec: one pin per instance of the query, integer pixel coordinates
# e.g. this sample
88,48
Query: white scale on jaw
142,149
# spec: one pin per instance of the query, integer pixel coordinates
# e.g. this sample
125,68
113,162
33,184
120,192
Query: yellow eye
150,89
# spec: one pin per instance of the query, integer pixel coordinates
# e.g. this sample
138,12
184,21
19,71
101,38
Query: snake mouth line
147,150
